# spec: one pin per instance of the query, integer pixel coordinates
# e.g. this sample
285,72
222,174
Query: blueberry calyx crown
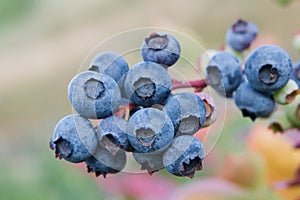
268,75
97,173
189,125
215,76
145,136
240,26
190,166
62,148
156,41
94,88
110,143
144,88
247,113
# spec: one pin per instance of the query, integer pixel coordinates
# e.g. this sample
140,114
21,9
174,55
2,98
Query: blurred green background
44,42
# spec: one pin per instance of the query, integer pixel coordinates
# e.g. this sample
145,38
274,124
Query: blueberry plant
138,111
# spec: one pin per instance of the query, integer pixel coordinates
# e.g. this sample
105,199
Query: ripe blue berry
268,68
184,156
111,133
253,103
187,112
94,95
296,73
147,83
152,162
110,63
241,34
163,49
150,130
103,162
224,73
74,139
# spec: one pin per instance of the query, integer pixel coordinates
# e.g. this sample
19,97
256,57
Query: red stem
197,84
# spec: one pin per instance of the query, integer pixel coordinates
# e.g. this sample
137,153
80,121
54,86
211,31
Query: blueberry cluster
136,112
267,79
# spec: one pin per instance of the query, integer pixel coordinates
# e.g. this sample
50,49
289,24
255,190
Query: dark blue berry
147,83
241,34
103,162
110,63
187,112
74,139
111,133
268,68
94,95
184,156
224,73
253,103
163,49
150,130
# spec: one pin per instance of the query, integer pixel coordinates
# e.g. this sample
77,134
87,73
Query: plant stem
197,84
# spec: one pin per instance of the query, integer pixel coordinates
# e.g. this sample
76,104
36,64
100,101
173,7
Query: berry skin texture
163,49
253,103
268,68
296,73
94,95
111,134
150,130
147,83
184,156
110,63
224,73
187,112
240,35
103,162
74,139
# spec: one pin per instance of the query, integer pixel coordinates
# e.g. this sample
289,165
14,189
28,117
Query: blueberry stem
124,110
197,84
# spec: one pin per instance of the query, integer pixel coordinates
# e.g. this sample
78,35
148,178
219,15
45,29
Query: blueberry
163,49
152,162
150,130
94,95
268,68
253,103
224,73
296,73
103,162
111,133
110,63
74,139
241,34
187,112
147,83
184,156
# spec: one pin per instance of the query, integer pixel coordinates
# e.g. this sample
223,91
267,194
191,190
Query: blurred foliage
14,9
33,173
